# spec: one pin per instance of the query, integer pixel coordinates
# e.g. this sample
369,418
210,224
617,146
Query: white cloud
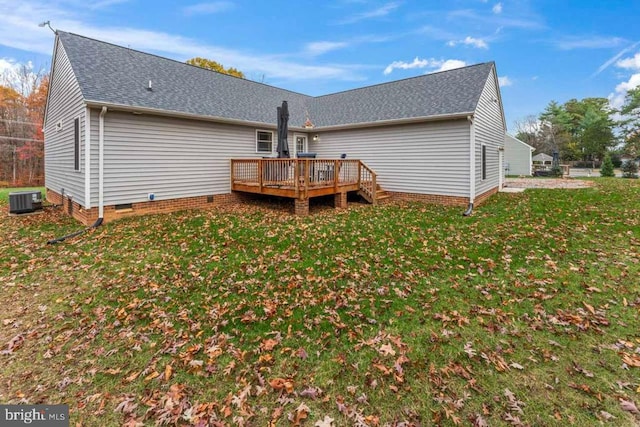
586,42
614,58
401,65
632,63
370,14
21,77
434,65
208,8
524,21
497,8
19,30
504,81
616,99
470,41
449,64
105,3
322,47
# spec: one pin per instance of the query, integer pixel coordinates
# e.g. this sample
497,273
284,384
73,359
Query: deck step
380,195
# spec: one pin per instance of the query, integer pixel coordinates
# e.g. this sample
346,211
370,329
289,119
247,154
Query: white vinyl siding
489,131
424,158
517,156
65,104
170,157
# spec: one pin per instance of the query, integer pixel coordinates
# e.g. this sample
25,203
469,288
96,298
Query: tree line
23,96
585,130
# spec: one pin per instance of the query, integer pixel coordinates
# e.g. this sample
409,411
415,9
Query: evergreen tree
607,166
629,169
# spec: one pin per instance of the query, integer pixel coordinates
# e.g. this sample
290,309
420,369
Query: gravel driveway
547,183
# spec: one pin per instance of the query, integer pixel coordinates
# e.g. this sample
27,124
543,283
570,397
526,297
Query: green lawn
526,313
4,192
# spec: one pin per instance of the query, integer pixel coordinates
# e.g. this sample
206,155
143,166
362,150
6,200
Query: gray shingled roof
116,75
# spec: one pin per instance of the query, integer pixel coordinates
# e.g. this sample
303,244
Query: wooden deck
303,178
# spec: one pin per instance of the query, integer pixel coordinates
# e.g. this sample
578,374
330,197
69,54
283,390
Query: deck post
374,191
296,178
301,207
260,174
306,179
340,200
335,175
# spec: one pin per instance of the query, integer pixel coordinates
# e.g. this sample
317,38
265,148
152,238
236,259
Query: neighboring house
121,125
542,160
629,159
517,156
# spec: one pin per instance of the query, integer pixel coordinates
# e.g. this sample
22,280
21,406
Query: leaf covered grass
526,313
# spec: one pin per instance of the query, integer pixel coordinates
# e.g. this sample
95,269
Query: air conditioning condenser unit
25,202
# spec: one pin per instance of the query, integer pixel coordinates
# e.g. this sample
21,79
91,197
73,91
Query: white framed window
300,142
264,141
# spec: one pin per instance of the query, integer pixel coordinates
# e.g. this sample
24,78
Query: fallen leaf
326,422
387,350
282,384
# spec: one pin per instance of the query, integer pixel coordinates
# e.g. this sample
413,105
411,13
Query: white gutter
472,164
87,158
101,164
179,114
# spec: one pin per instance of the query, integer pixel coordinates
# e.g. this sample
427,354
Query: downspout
472,166
100,184
101,166
87,158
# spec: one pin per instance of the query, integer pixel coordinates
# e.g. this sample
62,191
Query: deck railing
368,184
301,175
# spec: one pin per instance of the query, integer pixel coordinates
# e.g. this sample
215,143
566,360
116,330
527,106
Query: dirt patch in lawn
547,183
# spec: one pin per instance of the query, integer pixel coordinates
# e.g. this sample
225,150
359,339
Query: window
301,142
76,144
264,141
484,162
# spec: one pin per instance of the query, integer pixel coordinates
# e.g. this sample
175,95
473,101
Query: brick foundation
301,207
89,216
484,196
340,200
440,199
429,198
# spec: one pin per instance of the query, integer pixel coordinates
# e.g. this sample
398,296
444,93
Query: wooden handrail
299,176
368,182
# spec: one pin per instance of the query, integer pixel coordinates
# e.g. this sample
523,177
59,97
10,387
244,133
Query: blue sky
544,49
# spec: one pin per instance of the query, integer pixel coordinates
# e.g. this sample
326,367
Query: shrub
616,160
629,169
607,167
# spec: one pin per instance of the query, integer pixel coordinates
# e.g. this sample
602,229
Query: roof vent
150,87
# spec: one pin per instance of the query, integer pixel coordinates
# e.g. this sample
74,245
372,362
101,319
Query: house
542,159
127,132
517,156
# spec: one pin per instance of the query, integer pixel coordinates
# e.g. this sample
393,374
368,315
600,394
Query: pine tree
629,169
607,166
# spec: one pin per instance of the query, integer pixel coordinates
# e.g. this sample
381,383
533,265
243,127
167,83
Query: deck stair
305,178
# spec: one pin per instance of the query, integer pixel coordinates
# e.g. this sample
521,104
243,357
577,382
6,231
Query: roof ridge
182,63
405,79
